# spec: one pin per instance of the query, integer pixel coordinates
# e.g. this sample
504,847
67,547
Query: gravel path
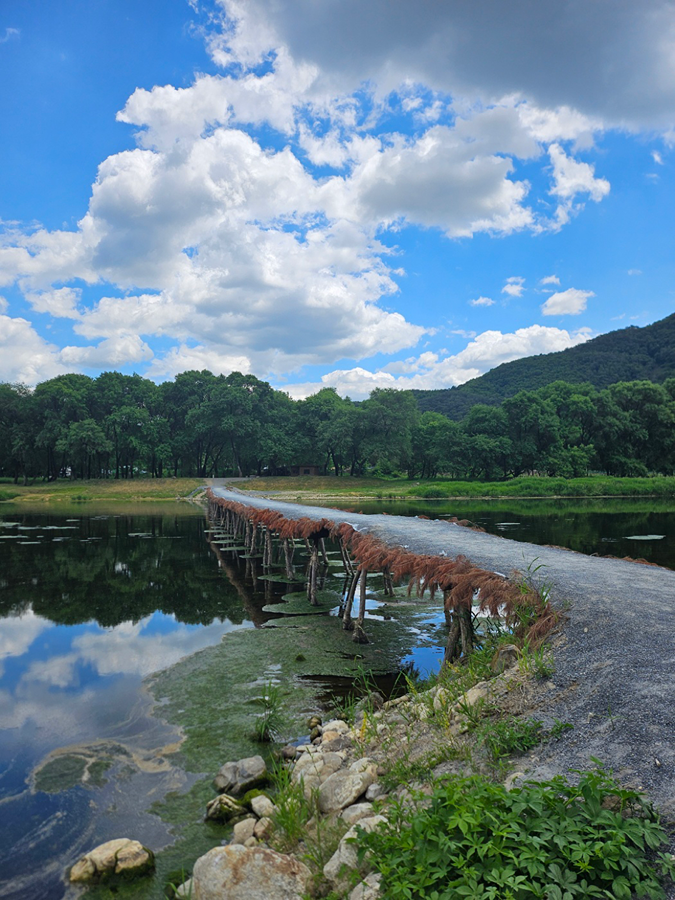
614,677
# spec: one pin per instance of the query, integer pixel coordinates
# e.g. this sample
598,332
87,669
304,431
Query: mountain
631,354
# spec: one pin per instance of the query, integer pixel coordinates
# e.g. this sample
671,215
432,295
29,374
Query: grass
431,489
127,490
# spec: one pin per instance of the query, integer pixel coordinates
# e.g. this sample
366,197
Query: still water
639,528
91,605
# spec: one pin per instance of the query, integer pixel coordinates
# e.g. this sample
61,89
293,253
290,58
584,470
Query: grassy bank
525,486
128,491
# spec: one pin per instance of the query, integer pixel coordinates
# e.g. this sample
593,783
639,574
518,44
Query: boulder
356,812
249,873
223,808
263,806
504,658
344,787
122,857
345,859
244,830
369,889
184,890
239,777
263,828
314,767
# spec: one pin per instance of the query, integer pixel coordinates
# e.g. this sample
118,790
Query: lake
134,644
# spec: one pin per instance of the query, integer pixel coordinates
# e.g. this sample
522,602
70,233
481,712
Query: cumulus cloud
514,286
556,54
550,279
25,356
566,303
482,301
430,372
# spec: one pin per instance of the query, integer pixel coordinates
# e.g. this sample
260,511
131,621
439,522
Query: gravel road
614,677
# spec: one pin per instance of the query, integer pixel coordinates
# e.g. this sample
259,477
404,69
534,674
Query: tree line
204,425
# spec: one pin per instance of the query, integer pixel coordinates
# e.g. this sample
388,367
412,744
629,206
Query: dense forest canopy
200,424
631,354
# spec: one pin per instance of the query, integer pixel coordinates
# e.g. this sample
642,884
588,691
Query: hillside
630,354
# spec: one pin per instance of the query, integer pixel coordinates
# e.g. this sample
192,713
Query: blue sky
356,195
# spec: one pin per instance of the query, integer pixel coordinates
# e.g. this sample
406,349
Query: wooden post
359,634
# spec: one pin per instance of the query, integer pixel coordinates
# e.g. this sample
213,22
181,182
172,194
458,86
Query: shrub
552,840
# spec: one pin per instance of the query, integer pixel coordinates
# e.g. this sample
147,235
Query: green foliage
270,719
554,840
508,736
630,354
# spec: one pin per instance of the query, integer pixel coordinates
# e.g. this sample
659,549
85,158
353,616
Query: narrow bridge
614,677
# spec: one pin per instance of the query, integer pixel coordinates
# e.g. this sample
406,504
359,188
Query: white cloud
656,156
555,54
10,34
571,178
550,279
514,286
482,301
60,303
566,303
25,356
635,271
489,349
110,353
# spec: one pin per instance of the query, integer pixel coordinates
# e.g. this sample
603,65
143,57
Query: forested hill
632,354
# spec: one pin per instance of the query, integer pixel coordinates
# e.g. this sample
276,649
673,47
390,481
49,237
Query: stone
244,830
345,857
369,889
263,806
184,890
376,791
251,842
122,857
314,767
344,787
515,780
335,741
223,808
263,828
289,751
249,873
504,658
478,692
442,699
356,812
336,725
239,777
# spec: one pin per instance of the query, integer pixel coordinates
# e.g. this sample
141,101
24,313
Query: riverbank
133,490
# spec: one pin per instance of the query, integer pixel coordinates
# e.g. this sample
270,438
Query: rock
336,725
504,658
515,780
184,890
289,752
119,857
442,699
335,741
263,828
313,722
244,830
314,767
345,857
243,873
239,777
369,889
478,692
315,734
356,812
345,786
375,791
223,808
251,842
263,806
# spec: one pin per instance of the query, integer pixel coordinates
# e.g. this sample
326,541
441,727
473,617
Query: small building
305,470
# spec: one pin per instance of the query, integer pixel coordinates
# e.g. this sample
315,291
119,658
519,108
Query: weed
558,728
509,736
270,720
536,661
552,839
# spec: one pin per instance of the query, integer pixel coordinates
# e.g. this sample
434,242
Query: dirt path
614,677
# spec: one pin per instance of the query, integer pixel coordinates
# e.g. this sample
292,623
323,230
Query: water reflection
88,608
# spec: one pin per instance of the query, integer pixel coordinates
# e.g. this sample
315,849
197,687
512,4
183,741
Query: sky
330,193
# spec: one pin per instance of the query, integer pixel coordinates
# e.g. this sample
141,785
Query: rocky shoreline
348,775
